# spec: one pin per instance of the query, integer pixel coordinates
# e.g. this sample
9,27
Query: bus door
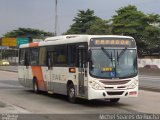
49,71
26,68
82,70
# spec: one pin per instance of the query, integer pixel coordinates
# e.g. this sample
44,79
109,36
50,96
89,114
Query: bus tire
114,100
71,93
35,86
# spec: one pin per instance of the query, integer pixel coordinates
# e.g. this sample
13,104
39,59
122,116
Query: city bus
81,66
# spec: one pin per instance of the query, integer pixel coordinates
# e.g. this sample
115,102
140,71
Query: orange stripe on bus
37,72
33,44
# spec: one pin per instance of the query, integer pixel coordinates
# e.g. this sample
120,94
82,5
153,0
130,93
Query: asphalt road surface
16,99
151,83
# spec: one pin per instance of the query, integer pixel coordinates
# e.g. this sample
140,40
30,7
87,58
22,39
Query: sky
39,14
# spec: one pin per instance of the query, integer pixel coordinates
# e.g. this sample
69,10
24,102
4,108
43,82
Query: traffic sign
21,41
12,42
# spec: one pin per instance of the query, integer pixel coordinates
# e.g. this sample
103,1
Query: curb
8,70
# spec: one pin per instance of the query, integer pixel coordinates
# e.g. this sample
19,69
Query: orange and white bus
81,66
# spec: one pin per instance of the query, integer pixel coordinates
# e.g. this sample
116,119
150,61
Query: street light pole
1,52
56,17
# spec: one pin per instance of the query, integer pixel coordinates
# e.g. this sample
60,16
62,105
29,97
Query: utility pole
1,52
56,18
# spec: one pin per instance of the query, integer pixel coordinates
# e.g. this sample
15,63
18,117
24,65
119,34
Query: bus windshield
113,63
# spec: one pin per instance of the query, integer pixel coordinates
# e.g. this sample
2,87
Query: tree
152,31
82,22
152,36
144,28
87,23
130,21
99,27
27,32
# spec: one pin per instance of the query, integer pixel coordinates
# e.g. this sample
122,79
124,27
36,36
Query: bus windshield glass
113,63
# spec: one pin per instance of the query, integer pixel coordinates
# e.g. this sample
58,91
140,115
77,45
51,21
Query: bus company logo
9,117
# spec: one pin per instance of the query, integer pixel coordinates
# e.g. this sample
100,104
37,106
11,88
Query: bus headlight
96,86
132,85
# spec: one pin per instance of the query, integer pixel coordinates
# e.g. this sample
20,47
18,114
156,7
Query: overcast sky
39,14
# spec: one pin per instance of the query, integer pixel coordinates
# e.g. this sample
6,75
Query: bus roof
72,39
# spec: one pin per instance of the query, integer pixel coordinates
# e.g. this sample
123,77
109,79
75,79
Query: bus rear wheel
114,100
71,93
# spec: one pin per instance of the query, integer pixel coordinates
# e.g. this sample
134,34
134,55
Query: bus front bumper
104,94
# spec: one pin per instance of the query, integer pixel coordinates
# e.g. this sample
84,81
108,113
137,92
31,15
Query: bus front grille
115,93
114,82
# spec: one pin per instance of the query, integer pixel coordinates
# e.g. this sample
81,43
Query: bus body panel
54,80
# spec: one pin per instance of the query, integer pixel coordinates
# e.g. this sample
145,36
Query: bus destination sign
113,42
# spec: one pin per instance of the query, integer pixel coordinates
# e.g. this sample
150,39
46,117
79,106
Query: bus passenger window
61,58
34,56
71,55
42,56
22,57
61,55
27,58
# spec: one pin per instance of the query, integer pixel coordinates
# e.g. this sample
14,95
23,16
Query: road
16,99
151,83
9,68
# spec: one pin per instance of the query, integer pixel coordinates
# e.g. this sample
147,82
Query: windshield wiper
121,53
106,53
109,56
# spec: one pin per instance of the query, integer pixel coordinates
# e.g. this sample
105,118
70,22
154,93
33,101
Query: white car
4,62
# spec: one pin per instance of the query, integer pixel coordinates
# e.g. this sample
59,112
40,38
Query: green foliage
129,21
82,22
87,23
152,36
99,27
144,28
27,32
152,32
154,18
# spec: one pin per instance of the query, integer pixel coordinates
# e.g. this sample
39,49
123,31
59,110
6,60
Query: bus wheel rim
71,94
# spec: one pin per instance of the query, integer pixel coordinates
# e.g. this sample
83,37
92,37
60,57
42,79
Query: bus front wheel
71,93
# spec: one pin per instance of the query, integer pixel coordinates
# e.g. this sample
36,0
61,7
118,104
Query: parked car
4,62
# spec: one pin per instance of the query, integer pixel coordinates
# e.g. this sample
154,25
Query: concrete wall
150,62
